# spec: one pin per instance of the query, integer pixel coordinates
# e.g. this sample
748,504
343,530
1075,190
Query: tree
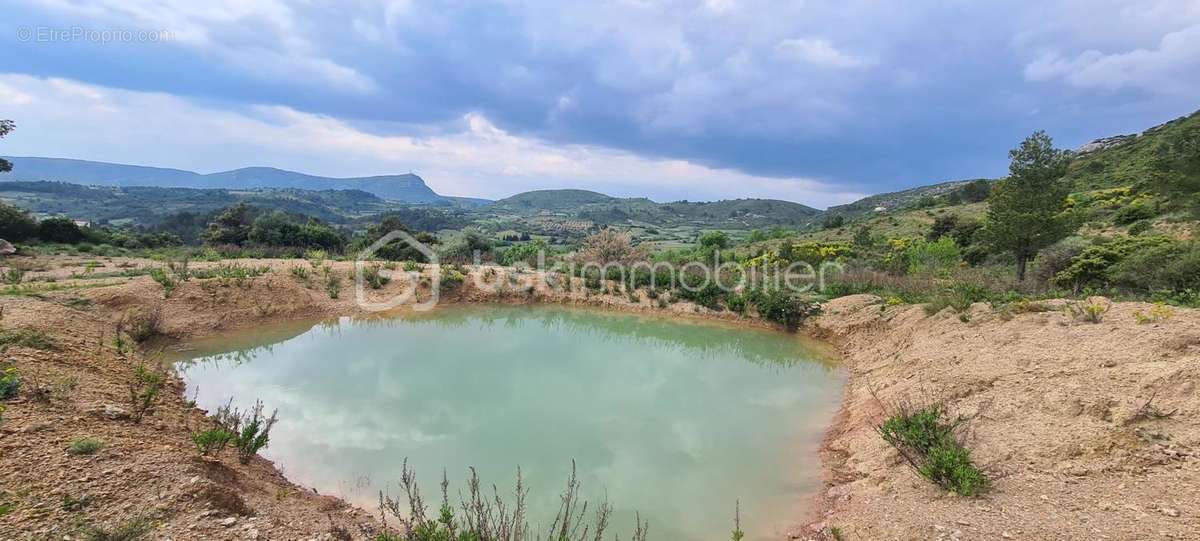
1025,211
975,191
61,230
6,127
232,226
942,225
16,224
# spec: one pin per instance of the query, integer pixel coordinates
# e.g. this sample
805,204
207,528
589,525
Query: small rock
252,534
1169,511
111,412
229,522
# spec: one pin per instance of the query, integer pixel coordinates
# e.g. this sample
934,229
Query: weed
374,278
301,274
1158,313
165,280
71,503
130,530
29,338
413,266
490,518
1090,312
212,441
929,444
333,283
85,446
144,391
14,276
142,324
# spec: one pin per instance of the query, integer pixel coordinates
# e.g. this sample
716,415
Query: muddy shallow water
675,419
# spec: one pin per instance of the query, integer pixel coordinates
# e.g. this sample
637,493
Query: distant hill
408,188
583,207
147,205
553,199
1125,160
894,201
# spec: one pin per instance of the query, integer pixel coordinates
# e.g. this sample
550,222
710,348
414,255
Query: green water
677,420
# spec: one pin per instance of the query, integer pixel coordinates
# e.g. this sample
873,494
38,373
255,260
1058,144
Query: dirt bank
1088,429
1058,412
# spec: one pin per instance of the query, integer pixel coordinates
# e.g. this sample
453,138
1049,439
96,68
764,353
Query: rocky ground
1088,429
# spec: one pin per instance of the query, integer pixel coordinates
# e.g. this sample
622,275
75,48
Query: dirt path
1058,414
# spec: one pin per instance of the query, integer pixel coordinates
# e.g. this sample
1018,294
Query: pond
678,420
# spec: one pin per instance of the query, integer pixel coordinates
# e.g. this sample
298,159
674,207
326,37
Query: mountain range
408,188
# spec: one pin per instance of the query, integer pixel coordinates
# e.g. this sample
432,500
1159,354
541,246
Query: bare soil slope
1088,429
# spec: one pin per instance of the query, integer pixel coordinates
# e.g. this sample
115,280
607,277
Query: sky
819,102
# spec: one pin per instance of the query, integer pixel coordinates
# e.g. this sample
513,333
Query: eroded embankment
1089,430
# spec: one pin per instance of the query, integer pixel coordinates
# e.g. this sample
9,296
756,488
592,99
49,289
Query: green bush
253,432
1173,267
374,278
959,296
144,391
165,280
130,530
1091,268
85,446
212,441
936,257
1140,209
61,230
10,383
929,444
783,307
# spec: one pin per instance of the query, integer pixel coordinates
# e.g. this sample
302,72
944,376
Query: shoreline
1052,407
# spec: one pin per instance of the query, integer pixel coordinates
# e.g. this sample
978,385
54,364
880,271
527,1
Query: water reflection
674,419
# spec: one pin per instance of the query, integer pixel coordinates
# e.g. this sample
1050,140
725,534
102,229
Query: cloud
261,39
1173,67
817,51
470,156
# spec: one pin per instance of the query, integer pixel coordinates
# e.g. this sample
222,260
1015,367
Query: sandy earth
1056,407
1056,413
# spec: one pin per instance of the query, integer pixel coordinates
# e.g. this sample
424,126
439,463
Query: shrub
959,296
14,276
25,337
62,230
16,225
1091,312
1171,266
412,266
1056,258
374,278
142,324
333,283
165,280
929,445
1139,209
10,383
130,530
1092,267
249,431
488,517
783,307
1158,313
212,441
144,391
85,446
452,277
936,257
